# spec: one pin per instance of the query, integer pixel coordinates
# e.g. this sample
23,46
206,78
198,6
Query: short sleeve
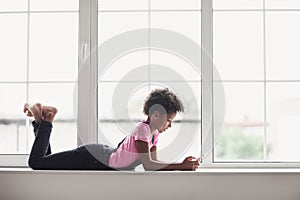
142,132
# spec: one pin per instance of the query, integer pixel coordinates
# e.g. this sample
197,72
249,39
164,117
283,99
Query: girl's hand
189,163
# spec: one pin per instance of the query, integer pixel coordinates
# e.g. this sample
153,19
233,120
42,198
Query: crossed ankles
49,113
34,110
40,112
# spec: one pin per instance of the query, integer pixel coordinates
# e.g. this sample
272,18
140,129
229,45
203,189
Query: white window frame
21,160
87,88
207,100
87,124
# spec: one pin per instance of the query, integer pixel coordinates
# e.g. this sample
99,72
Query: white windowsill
192,173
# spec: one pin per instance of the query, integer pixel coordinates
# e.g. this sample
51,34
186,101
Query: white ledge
208,184
139,172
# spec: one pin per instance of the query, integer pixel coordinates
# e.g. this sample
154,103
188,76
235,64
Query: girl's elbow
147,168
147,165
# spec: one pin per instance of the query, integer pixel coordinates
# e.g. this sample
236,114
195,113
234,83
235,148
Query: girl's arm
150,164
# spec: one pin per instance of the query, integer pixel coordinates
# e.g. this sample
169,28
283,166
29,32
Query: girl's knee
33,163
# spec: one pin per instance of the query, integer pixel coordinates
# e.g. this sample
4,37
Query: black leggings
85,157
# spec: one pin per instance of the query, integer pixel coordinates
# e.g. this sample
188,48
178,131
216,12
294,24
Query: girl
160,107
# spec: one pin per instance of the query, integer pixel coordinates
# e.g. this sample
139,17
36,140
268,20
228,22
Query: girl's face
164,121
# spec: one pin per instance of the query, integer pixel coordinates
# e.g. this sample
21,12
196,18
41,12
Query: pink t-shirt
127,154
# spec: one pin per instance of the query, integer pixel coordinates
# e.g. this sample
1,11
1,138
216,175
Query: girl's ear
156,114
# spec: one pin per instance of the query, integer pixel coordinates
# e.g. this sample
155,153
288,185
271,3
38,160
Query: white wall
89,185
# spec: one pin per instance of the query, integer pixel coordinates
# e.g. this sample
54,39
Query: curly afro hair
163,101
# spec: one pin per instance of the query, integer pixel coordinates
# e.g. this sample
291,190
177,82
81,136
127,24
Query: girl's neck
151,125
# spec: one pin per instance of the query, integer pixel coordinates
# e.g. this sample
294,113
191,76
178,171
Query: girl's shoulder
142,129
142,125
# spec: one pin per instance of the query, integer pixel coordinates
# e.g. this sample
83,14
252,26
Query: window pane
122,5
170,150
186,23
64,135
13,40
112,24
129,67
175,4
238,45
242,134
12,99
53,47
115,24
64,131
283,100
51,5
282,4
12,120
283,45
120,108
49,93
241,106
237,4
13,5
109,93
190,94
177,68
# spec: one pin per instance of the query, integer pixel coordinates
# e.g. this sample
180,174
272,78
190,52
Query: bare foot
49,113
26,110
34,110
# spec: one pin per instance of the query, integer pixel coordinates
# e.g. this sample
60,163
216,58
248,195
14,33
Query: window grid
265,81
149,43
265,143
151,10
148,11
149,80
264,162
20,159
242,162
34,12
27,74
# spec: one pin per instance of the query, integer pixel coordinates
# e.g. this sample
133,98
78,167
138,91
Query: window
255,53
134,69
234,64
39,44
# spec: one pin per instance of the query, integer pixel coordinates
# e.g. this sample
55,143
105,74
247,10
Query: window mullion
207,83
87,73
94,70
